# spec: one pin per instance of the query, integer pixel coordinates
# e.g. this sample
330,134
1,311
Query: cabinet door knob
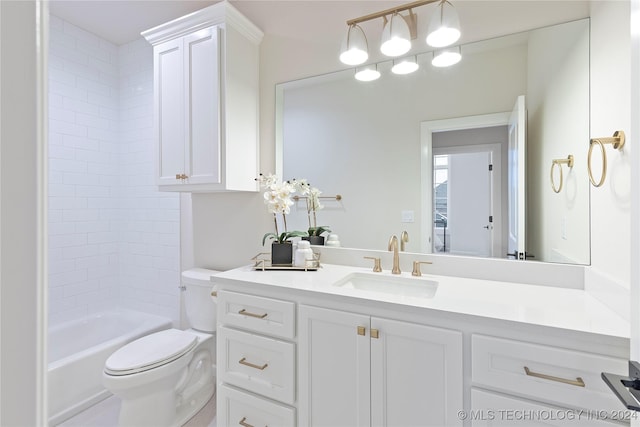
178,176
361,330
375,333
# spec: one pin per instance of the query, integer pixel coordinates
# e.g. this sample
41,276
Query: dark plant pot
281,253
315,240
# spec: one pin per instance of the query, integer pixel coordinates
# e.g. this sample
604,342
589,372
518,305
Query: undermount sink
409,286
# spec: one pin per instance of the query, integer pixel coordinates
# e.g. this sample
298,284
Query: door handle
627,389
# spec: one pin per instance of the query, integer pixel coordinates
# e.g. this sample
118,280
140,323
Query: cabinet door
416,375
202,112
333,374
169,106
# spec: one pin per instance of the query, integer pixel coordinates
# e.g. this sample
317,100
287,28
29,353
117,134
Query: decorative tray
262,261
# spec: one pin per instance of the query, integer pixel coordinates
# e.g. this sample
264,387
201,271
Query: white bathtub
78,350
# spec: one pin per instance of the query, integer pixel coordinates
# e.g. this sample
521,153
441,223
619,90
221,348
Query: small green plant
317,231
283,237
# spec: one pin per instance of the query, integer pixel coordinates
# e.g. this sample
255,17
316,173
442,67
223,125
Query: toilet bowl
165,378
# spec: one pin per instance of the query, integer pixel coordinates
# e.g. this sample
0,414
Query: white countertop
572,309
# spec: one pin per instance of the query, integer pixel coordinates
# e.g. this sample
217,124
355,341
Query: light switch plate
407,216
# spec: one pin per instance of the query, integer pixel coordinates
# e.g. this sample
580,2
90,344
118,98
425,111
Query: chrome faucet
393,246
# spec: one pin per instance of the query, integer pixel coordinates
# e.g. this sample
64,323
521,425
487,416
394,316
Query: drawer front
257,363
236,408
266,315
552,374
492,409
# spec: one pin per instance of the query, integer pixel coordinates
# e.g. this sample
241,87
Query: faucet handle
376,263
416,267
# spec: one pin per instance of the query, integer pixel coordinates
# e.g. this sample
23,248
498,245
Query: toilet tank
200,305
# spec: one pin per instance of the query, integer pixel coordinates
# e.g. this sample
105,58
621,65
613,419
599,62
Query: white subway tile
82,141
104,237
61,266
81,287
61,190
80,178
92,121
80,251
68,277
80,214
66,240
61,152
67,165
66,128
92,262
93,190
67,203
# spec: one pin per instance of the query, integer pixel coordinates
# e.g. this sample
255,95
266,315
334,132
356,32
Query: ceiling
121,21
313,22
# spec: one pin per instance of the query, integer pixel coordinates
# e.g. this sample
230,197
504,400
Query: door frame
427,129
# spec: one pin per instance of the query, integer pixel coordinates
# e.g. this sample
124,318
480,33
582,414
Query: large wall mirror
432,153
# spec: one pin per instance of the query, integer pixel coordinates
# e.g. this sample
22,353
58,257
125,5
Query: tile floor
105,414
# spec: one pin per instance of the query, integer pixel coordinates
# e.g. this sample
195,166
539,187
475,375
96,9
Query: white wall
558,125
610,111
22,249
114,239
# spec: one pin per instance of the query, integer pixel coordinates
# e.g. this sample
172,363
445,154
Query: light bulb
354,47
367,74
444,28
446,58
405,66
396,37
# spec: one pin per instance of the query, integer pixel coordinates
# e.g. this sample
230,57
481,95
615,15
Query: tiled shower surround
113,238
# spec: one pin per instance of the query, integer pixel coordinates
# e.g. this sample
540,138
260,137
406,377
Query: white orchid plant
278,198
312,197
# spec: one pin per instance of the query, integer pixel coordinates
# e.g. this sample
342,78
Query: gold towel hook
617,140
559,162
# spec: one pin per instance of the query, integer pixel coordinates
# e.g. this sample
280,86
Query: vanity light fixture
444,28
405,65
355,49
368,73
446,57
398,31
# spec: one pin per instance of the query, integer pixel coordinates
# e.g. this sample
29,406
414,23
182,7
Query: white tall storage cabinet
206,68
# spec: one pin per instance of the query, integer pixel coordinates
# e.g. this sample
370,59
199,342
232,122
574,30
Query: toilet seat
150,352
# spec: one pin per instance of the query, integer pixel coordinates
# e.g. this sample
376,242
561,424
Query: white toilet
165,378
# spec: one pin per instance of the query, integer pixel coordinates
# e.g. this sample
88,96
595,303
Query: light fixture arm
390,11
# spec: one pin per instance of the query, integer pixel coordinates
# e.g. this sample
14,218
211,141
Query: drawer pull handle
243,361
244,423
578,382
248,313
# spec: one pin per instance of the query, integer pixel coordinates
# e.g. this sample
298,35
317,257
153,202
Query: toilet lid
150,352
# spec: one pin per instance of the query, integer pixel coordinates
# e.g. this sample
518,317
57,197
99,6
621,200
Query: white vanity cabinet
517,381
256,360
324,355
206,101
358,370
